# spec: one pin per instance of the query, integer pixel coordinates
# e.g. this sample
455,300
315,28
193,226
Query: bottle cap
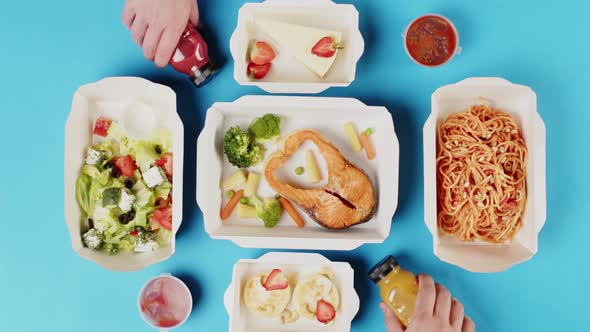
202,75
383,268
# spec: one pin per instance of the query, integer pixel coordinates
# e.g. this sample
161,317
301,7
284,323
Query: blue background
49,48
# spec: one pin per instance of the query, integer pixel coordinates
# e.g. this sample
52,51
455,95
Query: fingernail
382,307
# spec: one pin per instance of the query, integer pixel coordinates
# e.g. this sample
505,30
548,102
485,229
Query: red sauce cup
165,302
431,40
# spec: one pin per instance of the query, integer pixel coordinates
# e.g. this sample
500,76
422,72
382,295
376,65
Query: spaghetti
481,175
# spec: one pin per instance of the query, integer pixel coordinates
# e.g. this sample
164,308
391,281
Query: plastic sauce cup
165,302
431,40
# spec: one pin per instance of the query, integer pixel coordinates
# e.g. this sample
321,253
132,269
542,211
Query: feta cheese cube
93,157
92,239
154,177
150,245
145,242
126,200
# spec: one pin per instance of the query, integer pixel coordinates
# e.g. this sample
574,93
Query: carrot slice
287,206
231,205
367,145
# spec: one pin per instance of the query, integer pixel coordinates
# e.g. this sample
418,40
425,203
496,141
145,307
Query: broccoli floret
92,239
266,128
268,210
241,149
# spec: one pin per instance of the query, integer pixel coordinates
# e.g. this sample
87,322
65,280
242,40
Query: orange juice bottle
398,287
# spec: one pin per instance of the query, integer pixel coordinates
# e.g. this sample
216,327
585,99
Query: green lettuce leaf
91,171
145,154
163,190
83,185
163,138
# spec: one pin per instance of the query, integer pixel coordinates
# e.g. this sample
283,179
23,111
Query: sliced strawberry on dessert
101,127
276,280
261,53
126,165
258,72
165,162
325,312
326,47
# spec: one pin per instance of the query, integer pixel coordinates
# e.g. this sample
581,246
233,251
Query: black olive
90,223
129,183
108,164
158,149
131,214
115,172
124,218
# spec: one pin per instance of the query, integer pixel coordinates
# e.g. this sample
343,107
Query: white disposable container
139,106
287,74
295,266
327,115
521,102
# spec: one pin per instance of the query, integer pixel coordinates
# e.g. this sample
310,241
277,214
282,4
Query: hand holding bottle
156,25
435,311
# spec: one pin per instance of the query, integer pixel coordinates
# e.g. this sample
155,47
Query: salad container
327,116
521,102
296,265
140,106
287,75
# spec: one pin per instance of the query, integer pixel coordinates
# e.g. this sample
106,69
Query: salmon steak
347,199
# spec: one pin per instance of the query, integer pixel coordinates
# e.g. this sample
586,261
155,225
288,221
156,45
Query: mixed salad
124,190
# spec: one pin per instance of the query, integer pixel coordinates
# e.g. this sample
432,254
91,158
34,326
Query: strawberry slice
326,47
325,312
258,72
276,280
261,53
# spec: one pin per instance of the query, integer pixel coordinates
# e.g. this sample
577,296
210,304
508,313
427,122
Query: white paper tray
521,102
299,264
287,74
140,106
327,115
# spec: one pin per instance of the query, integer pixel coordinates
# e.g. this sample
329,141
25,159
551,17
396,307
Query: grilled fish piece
347,200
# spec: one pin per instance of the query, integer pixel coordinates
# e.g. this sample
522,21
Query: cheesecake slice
298,40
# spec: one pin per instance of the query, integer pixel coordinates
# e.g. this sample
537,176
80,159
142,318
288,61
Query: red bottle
191,57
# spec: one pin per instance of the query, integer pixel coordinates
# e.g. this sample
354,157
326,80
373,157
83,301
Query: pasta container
287,74
140,106
521,102
326,115
296,266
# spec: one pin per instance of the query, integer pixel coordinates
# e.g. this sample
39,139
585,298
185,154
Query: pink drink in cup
165,302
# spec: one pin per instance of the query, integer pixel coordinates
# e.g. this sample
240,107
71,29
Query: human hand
435,311
156,25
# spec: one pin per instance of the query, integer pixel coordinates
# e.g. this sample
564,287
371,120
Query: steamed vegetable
241,149
268,210
252,184
299,170
368,146
245,211
266,128
234,181
313,171
287,206
229,207
352,137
